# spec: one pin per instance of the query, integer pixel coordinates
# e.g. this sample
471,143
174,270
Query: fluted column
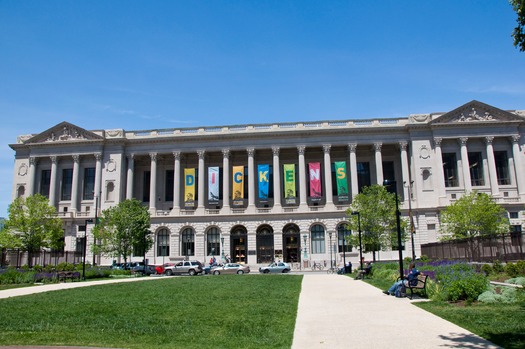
226,178
379,162
98,176
251,177
439,163
405,170
352,147
153,183
32,175
200,201
74,186
518,165
176,180
130,176
276,178
493,177
53,182
302,176
328,174
465,164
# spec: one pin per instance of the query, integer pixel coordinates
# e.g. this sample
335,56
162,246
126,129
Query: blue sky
166,64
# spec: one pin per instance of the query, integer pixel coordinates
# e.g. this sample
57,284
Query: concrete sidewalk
336,311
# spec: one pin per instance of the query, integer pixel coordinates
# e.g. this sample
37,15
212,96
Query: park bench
366,272
68,275
421,285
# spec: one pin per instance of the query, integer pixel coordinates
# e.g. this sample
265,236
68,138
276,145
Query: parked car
279,267
230,268
184,267
149,270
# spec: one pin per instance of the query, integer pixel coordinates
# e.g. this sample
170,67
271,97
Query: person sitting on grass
410,279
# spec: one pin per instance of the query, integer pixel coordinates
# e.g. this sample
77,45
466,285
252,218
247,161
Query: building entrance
238,243
265,248
291,244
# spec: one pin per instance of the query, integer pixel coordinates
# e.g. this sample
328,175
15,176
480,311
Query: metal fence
17,258
506,247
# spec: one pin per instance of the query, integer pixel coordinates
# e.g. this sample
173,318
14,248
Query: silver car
279,267
230,268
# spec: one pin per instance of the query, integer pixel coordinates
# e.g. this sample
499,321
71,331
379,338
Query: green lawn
184,312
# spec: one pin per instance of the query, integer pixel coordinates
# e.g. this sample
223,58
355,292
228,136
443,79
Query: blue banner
264,180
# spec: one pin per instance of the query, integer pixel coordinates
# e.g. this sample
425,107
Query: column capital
377,146
98,156
437,141
54,159
352,147
301,149
32,160
403,145
275,150
153,156
463,140
250,151
489,139
76,158
326,148
176,155
515,138
130,156
226,153
201,154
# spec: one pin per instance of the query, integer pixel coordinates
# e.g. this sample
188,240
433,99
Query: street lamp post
412,227
84,248
331,260
344,254
356,213
187,248
398,225
96,221
305,252
222,249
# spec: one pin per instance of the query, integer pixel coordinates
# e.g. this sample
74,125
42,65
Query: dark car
149,270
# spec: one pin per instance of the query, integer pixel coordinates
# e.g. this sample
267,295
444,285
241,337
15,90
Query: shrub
424,259
499,295
521,267
486,269
96,273
13,276
460,282
497,267
64,266
512,270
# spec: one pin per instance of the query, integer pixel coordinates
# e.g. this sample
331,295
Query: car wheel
192,272
240,272
216,272
266,271
168,272
285,271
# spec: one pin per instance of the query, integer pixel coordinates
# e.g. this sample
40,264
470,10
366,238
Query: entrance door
238,245
291,248
265,246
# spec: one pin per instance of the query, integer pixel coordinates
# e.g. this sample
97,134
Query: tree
123,229
377,210
519,32
473,215
32,225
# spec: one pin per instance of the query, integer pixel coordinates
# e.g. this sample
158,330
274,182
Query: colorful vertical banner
263,172
289,183
341,180
314,170
238,185
213,185
189,187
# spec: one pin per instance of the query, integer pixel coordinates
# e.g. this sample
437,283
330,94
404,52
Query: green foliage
474,214
499,294
97,273
487,269
460,282
123,228
424,259
377,215
13,276
497,267
63,266
519,32
512,270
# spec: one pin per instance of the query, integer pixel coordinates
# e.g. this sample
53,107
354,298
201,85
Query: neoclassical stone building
257,192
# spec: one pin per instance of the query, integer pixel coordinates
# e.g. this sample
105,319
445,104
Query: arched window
213,242
188,242
343,232
163,243
318,239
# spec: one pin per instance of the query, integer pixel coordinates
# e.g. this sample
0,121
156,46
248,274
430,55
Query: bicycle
317,266
333,270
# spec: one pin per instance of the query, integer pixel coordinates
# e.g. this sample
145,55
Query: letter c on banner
237,177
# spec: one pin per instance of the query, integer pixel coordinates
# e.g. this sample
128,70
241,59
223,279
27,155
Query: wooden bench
68,275
366,272
421,285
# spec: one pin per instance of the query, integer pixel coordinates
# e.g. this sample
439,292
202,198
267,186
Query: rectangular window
502,167
475,162
514,215
145,186
363,175
168,195
45,181
318,242
388,171
67,181
450,169
80,245
89,183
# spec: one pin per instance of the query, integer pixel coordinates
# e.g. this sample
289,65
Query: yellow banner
238,183
189,186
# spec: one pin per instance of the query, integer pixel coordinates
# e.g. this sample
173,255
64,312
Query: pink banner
314,169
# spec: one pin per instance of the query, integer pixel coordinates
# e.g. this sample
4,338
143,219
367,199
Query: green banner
341,180
289,181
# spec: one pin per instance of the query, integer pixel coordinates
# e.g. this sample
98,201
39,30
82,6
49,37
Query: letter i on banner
314,170
189,187
238,185
289,183
213,185
263,175
341,180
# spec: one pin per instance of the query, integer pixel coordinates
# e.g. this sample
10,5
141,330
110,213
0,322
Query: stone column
200,184
226,178
276,178
467,183
405,170
494,186
53,182
251,178
379,162
153,183
328,174
176,180
439,170
352,147
74,186
130,176
518,165
32,176
98,176
302,176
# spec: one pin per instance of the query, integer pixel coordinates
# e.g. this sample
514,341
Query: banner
314,170
289,183
341,180
238,185
189,187
213,185
263,177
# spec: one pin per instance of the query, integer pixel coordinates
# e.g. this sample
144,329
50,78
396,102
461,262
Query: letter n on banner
213,185
264,180
289,183
189,187
238,185
341,180
314,170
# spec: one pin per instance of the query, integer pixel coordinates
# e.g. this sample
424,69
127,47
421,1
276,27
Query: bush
521,267
97,273
460,282
14,276
499,295
486,269
512,270
497,267
424,259
64,266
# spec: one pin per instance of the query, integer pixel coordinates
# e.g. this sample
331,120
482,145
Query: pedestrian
410,279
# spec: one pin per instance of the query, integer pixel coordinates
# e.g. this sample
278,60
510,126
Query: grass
184,312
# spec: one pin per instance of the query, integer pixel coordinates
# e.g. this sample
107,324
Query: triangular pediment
63,132
476,112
